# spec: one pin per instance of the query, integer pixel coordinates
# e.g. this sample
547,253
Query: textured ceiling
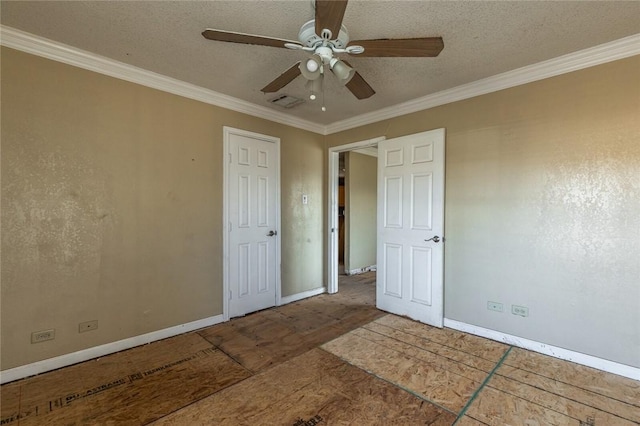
481,39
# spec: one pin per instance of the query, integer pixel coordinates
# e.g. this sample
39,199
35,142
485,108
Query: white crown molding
97,351
608,52
26,42
543,348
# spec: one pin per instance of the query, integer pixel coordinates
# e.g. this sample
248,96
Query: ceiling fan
324,38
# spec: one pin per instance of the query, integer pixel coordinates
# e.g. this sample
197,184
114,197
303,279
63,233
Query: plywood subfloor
529,388
330,359
134,386
444,367
486,382
313,386
272,336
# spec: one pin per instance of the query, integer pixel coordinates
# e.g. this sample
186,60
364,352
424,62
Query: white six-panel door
252,197
411,226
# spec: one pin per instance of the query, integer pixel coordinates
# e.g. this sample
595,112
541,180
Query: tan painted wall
112,207
543,207
360,218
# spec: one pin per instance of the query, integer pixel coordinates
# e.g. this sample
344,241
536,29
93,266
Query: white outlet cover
494,306
522,311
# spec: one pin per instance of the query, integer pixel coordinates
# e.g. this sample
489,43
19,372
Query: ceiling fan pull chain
323,107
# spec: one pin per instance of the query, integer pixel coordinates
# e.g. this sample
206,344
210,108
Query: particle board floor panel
442,366
530,388
134,386
597,381
266,338
468,421
313,388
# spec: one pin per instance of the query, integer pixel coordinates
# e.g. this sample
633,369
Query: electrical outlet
494,306
523,311
43,336
87,326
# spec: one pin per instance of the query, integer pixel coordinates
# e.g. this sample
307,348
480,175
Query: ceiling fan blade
233,37
358,86
401,47
283,79
329,14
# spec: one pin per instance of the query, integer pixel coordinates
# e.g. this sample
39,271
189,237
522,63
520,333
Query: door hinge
230,159
230,226
230,295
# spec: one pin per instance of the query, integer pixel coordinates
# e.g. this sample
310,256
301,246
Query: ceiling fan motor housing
308,37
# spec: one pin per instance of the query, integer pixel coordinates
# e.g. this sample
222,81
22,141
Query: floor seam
545,407
580,387
251,374
417,395
429,351
235,360
482,385
422,360
434,341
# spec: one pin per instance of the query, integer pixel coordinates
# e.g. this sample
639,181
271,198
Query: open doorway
410,224
352,210
357,205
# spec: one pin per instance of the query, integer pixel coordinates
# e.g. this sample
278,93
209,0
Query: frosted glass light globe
312,65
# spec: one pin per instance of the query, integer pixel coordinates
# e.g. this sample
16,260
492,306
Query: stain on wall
112,207
61,210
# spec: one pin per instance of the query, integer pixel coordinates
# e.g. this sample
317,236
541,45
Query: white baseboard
361,270
109,348
303,295
543,348
102,350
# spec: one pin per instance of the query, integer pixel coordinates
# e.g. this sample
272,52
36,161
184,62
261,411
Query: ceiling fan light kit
312,65
317,37
311,68
341,70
